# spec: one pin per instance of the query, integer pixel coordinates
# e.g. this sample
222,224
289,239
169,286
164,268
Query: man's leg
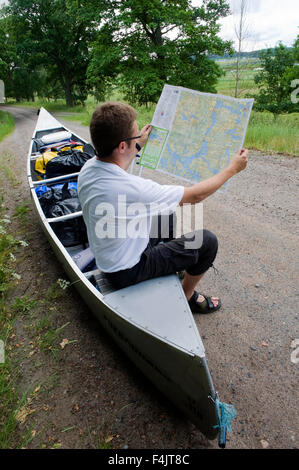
163,229
189,283
195,263
160,259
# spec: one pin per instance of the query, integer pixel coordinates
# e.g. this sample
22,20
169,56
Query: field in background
280,135
264,133
249,67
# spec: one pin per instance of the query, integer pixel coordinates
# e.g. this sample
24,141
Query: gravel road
248,342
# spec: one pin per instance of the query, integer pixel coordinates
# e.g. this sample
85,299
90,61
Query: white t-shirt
117,209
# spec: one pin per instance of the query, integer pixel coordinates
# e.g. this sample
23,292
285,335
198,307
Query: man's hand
145,132
239,161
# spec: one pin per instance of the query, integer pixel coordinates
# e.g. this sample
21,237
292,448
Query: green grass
7,124
227,83
9,403
280,135
9,370
21,210
6,167
22,213
145,115
50,105
14,404
23,304
82,114
264,133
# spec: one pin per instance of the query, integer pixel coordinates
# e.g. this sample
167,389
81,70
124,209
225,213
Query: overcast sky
269,21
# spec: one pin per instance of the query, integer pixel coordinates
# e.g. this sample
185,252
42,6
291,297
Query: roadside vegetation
7,124
265,132
31,332
10,400
34,340
273,135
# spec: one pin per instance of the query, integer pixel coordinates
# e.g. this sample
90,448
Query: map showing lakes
205,132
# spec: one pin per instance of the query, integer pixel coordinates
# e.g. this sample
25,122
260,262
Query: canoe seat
85,261
99,280
104,285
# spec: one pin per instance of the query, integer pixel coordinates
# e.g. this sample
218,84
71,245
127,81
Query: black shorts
169,255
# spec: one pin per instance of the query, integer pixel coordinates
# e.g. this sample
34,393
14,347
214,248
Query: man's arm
200,191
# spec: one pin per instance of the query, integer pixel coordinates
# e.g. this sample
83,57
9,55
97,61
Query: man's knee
210,241
201,241
206,254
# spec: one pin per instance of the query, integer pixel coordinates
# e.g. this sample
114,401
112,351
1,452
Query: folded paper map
194,134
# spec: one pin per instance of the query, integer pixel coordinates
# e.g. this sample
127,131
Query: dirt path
103,400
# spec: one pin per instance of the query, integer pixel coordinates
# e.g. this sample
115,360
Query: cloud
269,21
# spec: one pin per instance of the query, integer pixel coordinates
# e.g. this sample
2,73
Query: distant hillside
252,54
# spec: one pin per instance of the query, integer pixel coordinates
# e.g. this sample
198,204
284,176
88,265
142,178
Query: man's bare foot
201,299
203,304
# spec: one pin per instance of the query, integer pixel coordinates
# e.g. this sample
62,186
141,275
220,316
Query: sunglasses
128,138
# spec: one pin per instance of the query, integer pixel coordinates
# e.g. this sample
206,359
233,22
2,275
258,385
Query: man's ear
122,147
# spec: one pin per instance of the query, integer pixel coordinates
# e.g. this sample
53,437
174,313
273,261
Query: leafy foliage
15,60
145,43
279,70
57,36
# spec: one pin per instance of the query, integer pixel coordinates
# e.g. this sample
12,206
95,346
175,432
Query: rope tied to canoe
225,414
215,270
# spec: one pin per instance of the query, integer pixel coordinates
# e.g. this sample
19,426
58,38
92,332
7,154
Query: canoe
151,321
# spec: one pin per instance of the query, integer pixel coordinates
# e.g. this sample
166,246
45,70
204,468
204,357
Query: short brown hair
111,123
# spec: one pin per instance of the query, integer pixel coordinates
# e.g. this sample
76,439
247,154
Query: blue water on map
179,161
231,132
214,119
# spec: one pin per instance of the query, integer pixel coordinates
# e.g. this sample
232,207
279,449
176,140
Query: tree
145,43
59,37
290,78
241,8
20,79
274,94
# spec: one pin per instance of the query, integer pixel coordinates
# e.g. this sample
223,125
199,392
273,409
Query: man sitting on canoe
111,197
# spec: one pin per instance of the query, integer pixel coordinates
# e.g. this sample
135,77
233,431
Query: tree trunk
238,72
68,93
158,41
240,32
